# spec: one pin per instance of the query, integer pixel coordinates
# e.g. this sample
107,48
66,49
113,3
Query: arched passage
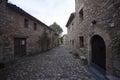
98,52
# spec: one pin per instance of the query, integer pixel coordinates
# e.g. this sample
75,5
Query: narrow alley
56,64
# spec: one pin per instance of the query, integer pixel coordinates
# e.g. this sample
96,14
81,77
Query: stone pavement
56,64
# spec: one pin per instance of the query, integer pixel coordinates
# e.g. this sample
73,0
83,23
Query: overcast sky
48,11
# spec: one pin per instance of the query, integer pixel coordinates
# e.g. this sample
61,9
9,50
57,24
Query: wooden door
20,46
99,52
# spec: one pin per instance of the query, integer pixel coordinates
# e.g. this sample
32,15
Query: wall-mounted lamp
93,22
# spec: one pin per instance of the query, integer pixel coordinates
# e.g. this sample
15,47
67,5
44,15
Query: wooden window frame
35,26
26,23
81,41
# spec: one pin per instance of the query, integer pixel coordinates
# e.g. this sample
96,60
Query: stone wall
12,26
17,18
92,18
71,34
65,39
5,48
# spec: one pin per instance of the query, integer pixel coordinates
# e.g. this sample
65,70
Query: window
35,26
72,42
81,41
44,29
25,23
81,14
72,24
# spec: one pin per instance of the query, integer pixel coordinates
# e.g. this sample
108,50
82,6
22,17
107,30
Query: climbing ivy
44,41
116,45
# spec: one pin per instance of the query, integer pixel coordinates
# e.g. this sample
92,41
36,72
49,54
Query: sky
48,11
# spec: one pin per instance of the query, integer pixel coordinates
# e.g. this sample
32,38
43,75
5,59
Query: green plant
57,28
44,41
116,44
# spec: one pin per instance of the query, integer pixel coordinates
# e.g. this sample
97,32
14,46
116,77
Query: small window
35,26
44,29
72,24
72,42
81,41
50,32
25,23
81,14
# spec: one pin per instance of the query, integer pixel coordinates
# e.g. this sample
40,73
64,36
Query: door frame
93,64
18,45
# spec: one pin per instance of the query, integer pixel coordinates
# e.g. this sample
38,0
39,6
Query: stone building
70,32
22,34
65,39
92,30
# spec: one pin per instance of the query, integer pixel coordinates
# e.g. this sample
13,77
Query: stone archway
98,47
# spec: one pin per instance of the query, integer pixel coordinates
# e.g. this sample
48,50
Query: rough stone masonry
91,30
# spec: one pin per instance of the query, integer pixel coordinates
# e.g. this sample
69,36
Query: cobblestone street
56,64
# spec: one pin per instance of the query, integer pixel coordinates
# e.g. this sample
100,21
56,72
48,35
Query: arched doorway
98,52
